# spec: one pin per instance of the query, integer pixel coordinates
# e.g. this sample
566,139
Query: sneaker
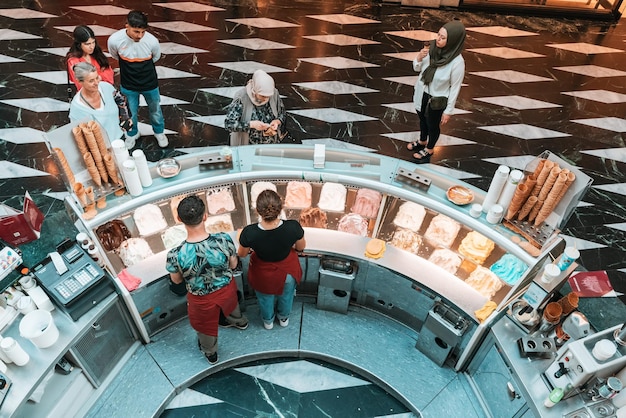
268,326
211,358
283,322
161,140
238,326
131,139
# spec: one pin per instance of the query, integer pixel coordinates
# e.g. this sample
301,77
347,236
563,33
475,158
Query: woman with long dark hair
85,48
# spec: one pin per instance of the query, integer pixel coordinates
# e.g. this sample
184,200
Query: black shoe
211,358
422,157
416,146
229,325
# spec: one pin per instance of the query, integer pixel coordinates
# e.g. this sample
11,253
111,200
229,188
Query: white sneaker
268,326
283,322
161,140
130,140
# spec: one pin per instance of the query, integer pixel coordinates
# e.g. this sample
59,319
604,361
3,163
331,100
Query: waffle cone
97,133
552,200
91,196
519,197
547,186
65,166
527,207
79,138
539,168
110,167
571,178
79,191
542,177
535,210
92,169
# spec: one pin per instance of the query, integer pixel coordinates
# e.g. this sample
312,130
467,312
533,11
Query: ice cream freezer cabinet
433,250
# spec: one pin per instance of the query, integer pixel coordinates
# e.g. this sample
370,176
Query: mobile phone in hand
127,124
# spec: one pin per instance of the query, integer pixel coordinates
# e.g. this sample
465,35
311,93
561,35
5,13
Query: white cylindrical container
14,351
131,176
25,305
509,188
475,210
550,272
142,167
604,350
39,327
497,183
3,356
570,254
495,214
41,299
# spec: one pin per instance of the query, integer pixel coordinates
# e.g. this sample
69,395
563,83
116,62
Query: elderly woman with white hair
100,100
256,114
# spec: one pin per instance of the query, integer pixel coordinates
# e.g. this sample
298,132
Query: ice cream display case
344,201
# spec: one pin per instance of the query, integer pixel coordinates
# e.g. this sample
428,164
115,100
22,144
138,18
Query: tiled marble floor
344,71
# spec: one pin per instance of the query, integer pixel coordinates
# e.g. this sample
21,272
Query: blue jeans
284,302
153,99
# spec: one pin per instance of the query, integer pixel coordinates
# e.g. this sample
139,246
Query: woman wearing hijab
256,113
85,48
442,68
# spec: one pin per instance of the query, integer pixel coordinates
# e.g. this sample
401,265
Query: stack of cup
569,303
551,317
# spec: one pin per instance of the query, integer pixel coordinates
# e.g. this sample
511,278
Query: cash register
73,279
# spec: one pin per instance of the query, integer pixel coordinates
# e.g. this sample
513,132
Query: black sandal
416,146
422,157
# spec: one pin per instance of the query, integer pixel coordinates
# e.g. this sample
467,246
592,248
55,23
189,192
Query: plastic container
14,351
39,327
604,350
555,397
476,210
495,214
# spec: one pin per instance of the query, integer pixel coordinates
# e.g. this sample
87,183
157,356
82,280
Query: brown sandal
416,146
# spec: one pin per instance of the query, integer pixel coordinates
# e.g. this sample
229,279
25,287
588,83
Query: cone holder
537,236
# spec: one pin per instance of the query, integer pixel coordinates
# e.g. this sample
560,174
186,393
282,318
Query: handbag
438,103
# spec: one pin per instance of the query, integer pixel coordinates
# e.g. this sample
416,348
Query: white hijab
262,84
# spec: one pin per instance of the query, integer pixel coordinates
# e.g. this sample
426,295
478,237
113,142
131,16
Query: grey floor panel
137,391
379,345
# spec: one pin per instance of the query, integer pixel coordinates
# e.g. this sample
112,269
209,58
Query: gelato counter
439,268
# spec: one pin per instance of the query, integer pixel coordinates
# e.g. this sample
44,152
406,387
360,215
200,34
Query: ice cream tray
412,179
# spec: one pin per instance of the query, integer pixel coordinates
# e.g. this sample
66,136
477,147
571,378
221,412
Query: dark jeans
430,123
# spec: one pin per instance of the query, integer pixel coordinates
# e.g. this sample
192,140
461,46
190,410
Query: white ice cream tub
38,326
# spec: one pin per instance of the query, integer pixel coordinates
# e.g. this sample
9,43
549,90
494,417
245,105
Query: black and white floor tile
344,70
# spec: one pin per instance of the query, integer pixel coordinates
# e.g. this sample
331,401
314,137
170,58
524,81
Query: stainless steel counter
528,371
25,379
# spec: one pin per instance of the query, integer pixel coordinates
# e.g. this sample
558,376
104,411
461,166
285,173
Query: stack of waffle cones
538,195
98,161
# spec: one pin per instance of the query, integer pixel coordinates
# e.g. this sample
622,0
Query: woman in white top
99,100
442,68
